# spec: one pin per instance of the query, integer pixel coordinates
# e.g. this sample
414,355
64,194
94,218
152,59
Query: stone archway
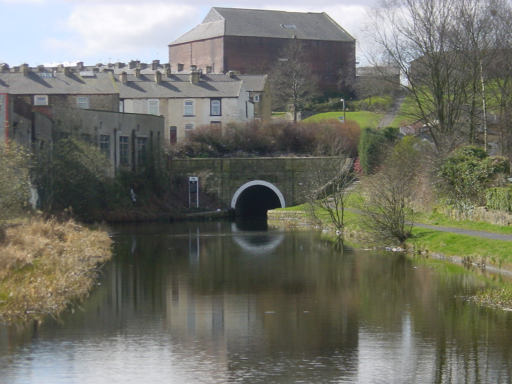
256,197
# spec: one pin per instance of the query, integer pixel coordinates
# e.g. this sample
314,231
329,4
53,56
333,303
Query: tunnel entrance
255,198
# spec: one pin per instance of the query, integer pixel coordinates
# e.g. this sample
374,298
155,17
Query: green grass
406,114
496,252
374,103
363,118
435,218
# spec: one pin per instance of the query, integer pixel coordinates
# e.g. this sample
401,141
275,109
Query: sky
51,32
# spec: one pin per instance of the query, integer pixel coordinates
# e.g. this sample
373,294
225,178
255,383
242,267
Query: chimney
194,77
155,64
80,66
67,71
123,77
137,73
119,65
158,77
40,68
4,67
233,74
132,64
24,69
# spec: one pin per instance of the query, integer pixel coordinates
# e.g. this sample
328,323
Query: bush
73,175
324,138
499,199
372,146
467,173
14,181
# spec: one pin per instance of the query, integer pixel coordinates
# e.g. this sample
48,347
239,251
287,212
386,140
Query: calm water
210,303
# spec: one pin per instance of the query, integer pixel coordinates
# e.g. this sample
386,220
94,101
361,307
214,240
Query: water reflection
195,303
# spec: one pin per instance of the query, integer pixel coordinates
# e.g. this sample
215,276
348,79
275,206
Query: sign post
193,189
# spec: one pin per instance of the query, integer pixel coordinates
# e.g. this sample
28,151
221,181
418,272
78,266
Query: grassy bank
47,265
452,246
363,118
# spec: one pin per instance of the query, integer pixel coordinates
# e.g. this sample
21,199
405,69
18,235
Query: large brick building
252,41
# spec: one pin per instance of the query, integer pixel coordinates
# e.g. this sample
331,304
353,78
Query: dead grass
46,265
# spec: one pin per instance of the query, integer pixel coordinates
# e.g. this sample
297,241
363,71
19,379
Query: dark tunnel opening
255,201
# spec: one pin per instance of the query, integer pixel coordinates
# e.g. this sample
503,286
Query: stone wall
295,177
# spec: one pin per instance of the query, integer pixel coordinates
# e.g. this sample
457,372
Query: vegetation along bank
46,266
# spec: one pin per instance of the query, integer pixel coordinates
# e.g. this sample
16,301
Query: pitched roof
49,83
265,23
178,86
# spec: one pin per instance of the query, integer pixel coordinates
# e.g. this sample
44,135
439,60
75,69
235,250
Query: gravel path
390,116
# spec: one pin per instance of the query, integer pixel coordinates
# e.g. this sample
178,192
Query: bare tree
430,40
292,81
387,210
330,198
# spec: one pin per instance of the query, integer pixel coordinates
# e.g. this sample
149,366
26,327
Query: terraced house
125,112
189,101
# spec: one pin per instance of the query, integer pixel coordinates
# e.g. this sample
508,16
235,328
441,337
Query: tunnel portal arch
278,200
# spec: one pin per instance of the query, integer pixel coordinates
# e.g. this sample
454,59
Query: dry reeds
45,265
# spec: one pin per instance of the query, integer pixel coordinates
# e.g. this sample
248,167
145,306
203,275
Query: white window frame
40,99
154,107
212,101
256,98
82,102
124,150
188,108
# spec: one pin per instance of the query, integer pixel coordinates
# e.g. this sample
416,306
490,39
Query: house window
215,107
216,125
180,67
141,150
105,145
123,150
40,99
256,98
154,107
188,108
121,105
82,102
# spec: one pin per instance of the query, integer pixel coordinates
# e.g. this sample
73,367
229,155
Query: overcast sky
99,31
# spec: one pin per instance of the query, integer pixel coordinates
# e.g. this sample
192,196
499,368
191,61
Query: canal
218,303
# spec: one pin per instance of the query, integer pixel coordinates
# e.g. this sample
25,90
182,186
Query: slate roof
175,86
55,84
178,86
265,23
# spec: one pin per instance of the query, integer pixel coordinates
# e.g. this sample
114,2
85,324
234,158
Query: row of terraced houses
217,74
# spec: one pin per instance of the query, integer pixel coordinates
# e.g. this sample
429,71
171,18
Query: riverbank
453,247
45,266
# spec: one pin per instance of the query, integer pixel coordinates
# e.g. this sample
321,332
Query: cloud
19,2
113,30
131,29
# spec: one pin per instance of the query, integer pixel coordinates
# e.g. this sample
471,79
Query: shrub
370,149
499,198
467,173
14,181
73,176
325,138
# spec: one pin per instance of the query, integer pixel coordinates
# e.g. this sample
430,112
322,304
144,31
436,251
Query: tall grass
45,265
